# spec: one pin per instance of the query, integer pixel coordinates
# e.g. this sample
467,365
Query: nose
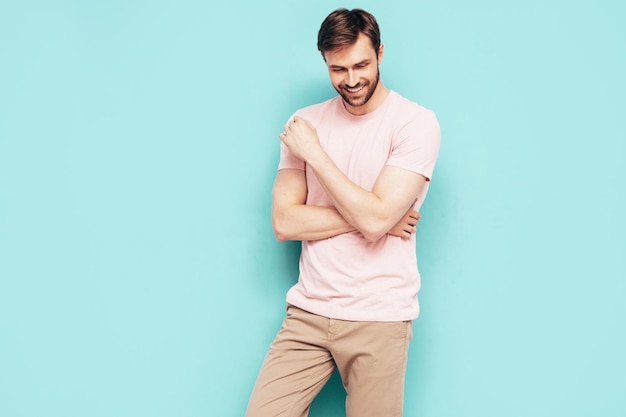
353,79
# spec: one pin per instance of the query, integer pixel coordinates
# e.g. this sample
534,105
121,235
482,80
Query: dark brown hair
342,27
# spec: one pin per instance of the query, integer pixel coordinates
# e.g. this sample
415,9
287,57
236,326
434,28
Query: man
353,172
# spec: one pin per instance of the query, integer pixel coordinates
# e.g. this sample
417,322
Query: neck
379,96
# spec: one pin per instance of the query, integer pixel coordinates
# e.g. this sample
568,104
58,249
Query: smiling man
353,173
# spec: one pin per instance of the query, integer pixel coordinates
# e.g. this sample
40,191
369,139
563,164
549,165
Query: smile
354,90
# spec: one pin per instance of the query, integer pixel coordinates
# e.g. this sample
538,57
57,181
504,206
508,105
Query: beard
368,88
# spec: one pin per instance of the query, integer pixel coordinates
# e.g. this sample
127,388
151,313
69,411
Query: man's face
354,74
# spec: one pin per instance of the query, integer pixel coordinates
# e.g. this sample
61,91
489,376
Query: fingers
286,130
414,214
407,225
412,220
409,229
298,125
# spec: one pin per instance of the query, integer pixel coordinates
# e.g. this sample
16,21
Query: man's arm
373,213
292,219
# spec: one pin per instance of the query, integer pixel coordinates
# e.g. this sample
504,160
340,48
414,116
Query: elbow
279,229
372,233
281,237
374,228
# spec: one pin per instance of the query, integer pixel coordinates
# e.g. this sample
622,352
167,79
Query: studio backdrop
139,274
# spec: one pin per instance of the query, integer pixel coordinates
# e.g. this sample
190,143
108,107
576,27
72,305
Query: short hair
342,27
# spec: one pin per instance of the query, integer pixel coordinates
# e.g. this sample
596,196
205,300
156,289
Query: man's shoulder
408,113
408,106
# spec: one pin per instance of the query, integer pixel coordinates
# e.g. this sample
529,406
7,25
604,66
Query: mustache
353,86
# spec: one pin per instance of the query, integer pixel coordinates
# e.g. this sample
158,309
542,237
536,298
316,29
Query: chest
360,150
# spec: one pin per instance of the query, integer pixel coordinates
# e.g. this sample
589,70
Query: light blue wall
139,275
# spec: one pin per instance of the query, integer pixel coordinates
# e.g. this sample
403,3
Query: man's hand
301,138
406,226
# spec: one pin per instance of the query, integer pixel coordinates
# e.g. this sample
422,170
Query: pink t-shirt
345,276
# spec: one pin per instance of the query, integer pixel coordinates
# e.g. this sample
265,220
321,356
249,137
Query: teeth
354,90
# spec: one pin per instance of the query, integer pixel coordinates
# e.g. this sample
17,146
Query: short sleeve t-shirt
345,276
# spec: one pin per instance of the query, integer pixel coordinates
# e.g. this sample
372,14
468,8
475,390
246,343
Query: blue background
139,275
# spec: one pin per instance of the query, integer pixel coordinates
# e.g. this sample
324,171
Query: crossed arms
387,209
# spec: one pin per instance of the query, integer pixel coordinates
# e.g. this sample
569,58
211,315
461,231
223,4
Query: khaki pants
371,358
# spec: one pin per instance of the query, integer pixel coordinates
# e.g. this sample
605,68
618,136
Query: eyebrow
364,62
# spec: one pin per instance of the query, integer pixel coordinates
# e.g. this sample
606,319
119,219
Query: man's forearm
355,204
302,222
367,211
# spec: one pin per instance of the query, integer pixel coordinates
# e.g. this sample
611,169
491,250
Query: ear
381,52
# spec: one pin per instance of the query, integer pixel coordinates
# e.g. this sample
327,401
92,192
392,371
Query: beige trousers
371,358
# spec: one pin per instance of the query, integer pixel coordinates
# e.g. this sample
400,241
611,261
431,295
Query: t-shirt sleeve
416,145
287,159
